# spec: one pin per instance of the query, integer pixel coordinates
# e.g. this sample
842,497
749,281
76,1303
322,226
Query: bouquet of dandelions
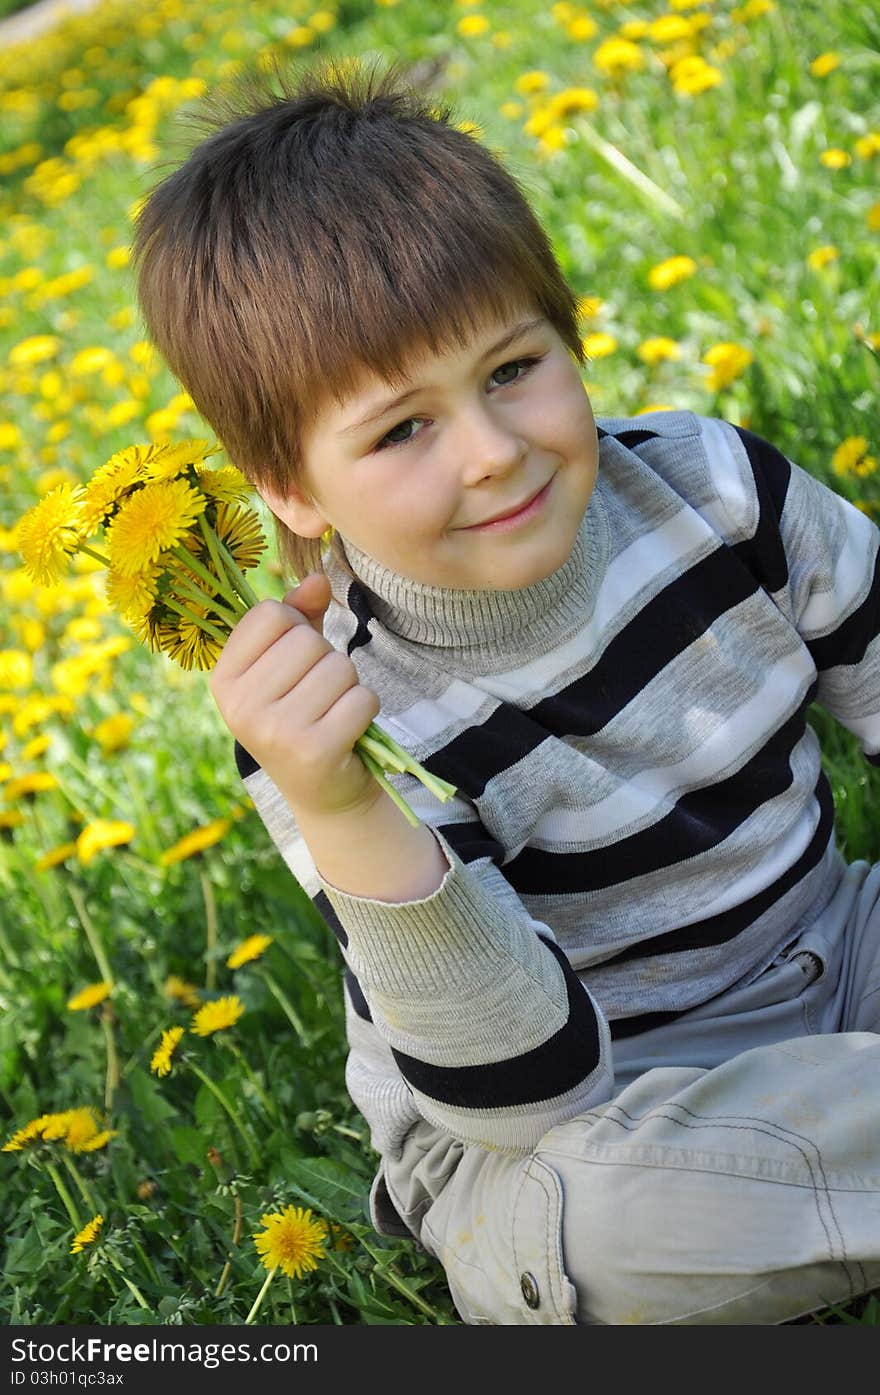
179,537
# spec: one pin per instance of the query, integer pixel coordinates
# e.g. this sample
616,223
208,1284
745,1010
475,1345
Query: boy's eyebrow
524,327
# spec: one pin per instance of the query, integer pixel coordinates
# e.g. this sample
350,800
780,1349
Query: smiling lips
514,512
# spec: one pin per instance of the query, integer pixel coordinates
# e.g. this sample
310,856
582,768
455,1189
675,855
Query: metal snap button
529,1286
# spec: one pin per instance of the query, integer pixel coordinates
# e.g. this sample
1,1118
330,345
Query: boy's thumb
311,598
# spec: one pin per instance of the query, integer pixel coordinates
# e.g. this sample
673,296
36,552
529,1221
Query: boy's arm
487,1023
375,852
826,573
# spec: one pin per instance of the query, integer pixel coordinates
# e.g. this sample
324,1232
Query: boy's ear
296,511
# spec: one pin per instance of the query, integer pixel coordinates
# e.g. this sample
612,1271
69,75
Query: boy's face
486,433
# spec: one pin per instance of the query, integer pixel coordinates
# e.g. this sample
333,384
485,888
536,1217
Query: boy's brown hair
341,225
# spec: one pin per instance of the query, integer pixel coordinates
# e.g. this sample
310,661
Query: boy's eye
386,443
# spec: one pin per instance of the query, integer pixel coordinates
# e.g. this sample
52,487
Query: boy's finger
311,598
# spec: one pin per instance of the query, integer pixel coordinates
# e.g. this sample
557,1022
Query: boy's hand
296,704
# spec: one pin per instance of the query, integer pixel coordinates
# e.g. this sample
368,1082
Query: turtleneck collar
490,628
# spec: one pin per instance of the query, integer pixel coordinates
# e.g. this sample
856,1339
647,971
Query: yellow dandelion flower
292,1241
668,28
75,1127
825,64
216,1016
195,842
160,1062
114,732
658,349
109,485
182,992
670,272
28,786
150,522
692,75
167,461
240,532
835,159
535,80
31,1132
88,1235
102,833
615,56
91,360
872,217
588,306
572,99
249,949
581,28
227,483
131,595
16,669
727,362
821,256
187,643
37,349
10,436
868,146
89,996
55,856
849,454
98,1140
472,25
599,345
49,534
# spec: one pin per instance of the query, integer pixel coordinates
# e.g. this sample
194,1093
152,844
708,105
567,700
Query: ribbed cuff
418,946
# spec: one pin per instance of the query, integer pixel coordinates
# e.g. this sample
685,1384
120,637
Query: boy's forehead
367,389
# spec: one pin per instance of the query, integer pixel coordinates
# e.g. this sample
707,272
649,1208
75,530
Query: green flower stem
84,1190
637,178
195,619
210,930
194,593
384,758
66,1198
111,1079
259,1298
91,933
400,1284
286,1006
221,1098
441,788
236,1237
226,565
236,1050
132,1288
389,789
236,576
192,563
98,556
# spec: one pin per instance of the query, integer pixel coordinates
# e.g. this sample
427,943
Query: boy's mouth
517,513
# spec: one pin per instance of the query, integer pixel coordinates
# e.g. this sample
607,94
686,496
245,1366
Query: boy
613,1011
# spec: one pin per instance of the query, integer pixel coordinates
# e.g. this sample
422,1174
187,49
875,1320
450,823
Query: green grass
731,178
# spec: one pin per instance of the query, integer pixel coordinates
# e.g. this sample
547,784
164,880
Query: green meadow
708,173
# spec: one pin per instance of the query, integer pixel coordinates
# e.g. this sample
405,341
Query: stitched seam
748,1125
542,1183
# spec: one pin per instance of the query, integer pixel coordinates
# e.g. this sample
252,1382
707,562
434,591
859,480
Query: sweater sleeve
820,559
493,1035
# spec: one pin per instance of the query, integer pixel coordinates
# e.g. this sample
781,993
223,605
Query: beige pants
737,1190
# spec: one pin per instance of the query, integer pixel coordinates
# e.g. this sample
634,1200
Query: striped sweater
641,819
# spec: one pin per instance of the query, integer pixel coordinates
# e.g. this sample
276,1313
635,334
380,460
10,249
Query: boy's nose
489,447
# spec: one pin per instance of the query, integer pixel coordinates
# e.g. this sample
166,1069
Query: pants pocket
497,1230
546,1291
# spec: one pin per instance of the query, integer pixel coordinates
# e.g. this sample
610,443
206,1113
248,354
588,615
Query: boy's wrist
371,850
